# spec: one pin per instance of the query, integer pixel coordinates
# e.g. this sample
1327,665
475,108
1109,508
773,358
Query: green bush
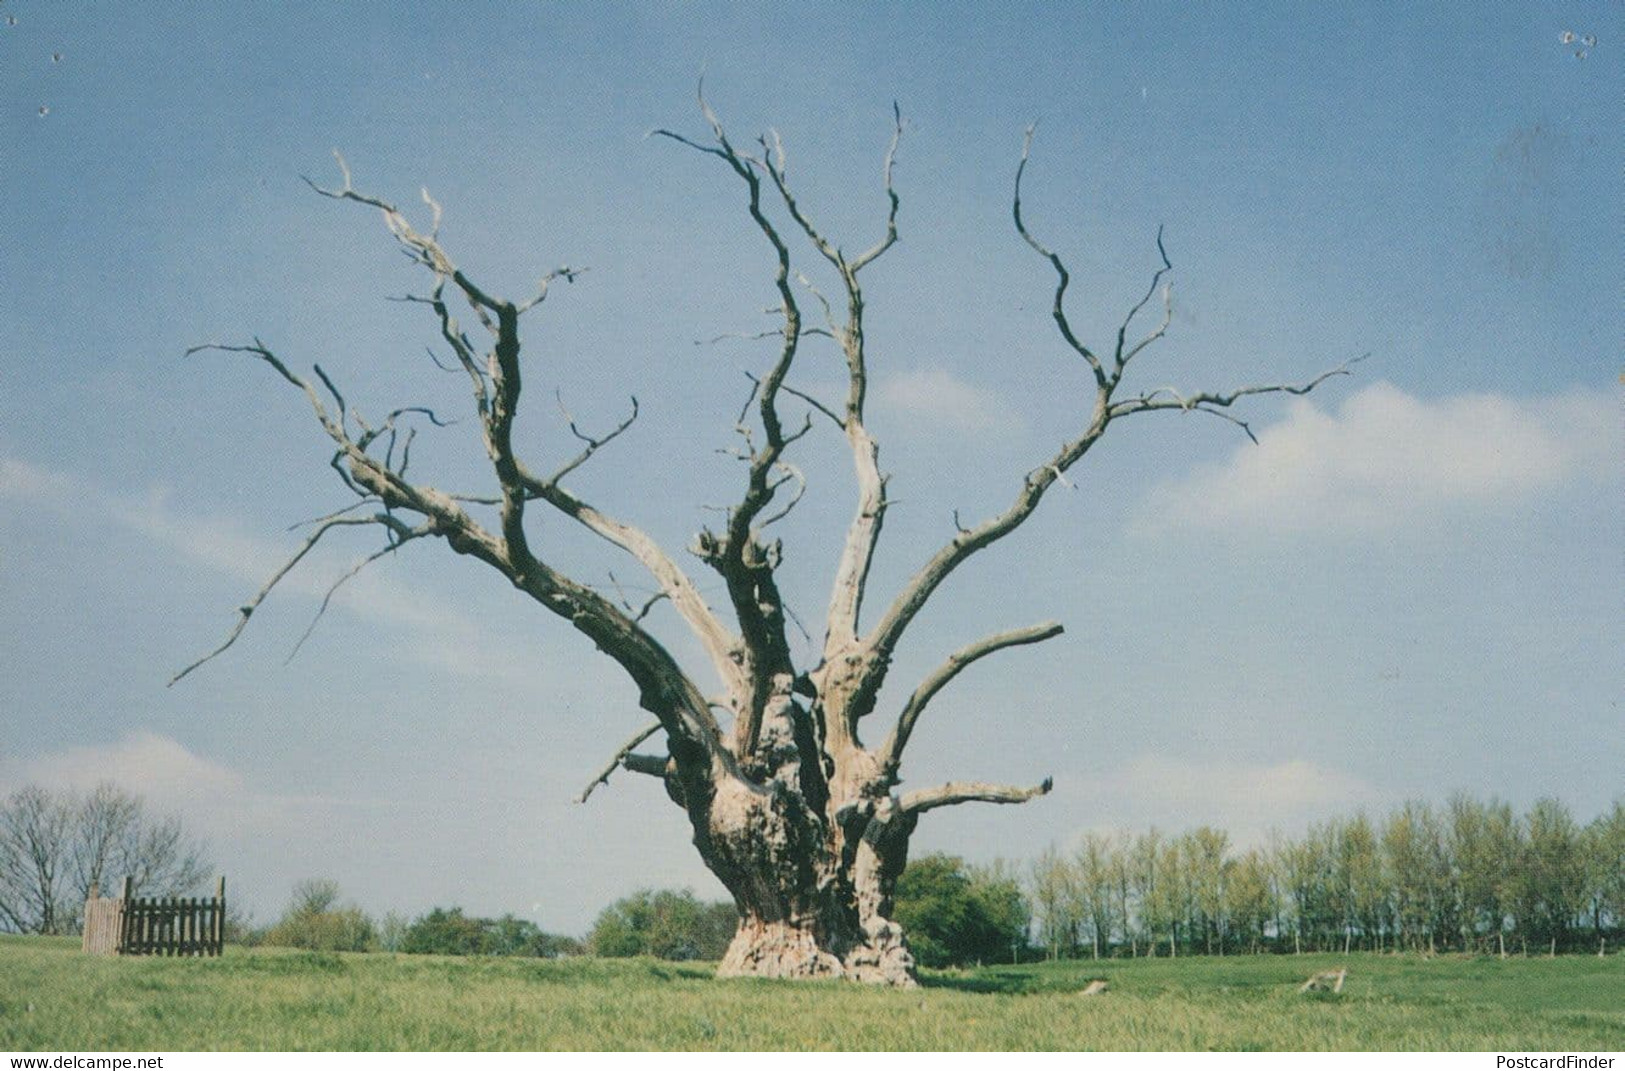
448,932
668,924
315,920
956,915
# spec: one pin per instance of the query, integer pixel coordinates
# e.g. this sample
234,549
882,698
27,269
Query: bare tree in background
795,808
115,838
56,846
34,833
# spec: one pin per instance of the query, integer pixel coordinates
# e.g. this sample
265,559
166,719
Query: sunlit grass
52,997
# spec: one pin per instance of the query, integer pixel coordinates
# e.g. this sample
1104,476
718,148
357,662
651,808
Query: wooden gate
156,925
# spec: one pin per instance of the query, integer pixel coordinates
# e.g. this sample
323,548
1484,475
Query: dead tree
801,820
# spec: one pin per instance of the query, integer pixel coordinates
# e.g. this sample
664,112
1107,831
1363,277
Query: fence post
219,935
126,919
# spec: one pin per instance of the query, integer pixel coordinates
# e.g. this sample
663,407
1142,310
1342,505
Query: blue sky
1410,587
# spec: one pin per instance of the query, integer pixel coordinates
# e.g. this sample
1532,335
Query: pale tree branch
567,273
666,690
957,792
1211,401
966,542
620,757
246,611
1123,356
791,474
882,641
804,396
334,431
594,444
890,239
890,755
740,336
343,511
830,327
640,612
863,532
737,556
817,405
401,535
497,383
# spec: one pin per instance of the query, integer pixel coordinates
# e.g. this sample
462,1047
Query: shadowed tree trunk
801,820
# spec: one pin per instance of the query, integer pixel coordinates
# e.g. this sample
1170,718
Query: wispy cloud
19,479
1246,799
157,768
1386,457
937,397
451,641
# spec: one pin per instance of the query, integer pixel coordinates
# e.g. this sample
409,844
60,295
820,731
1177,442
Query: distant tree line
1470,876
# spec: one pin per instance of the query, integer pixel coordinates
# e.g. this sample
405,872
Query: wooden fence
155,925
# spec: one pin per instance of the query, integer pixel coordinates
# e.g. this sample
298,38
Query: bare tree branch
666,690
1206,401
247,609
737,556
890,754
567,273
402,535
351,508
865,259
618,758
1063,277
497,385
593,444
883,639
816,404
1122,357
957,792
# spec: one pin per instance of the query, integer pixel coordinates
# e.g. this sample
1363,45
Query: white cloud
19,479
1246,799
1385,457
936,396
157,768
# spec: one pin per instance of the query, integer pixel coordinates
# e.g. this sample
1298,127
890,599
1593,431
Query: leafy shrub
667,923
956,915
315,920
448,932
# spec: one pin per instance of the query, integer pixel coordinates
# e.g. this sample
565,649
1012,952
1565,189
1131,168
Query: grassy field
52,997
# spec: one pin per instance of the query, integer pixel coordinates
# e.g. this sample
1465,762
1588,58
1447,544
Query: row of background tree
56,846
1470,876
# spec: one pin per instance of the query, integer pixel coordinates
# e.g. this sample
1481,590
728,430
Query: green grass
52,997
